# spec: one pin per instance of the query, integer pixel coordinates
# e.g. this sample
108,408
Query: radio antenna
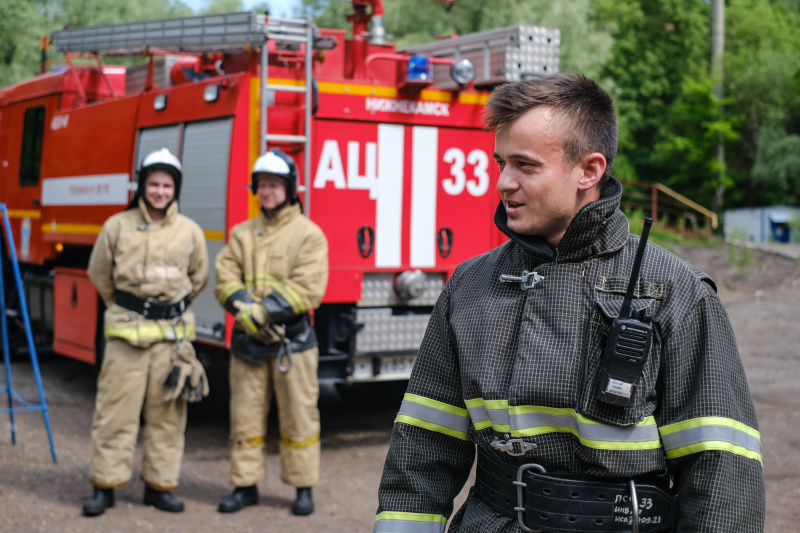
637,265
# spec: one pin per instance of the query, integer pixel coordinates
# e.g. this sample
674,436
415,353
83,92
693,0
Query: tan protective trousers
296,393
132,379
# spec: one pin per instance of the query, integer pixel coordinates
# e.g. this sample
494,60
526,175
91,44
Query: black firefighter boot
303,505
162,500
101,499
240,498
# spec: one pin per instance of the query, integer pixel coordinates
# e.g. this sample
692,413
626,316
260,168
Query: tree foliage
686,152
762,77
21,25
24,22
657,44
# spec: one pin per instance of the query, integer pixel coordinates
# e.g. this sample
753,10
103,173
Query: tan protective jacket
286,262
164,262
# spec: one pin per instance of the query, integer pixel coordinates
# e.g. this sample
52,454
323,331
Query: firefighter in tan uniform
272,272
148,263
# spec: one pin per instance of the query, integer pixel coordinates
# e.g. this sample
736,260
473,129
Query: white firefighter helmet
277,163
165,161
162,157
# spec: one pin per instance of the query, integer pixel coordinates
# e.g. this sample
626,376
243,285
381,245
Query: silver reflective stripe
407,526
713,432
598,432
480,413
435,416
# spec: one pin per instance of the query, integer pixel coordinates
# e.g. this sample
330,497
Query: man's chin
520,228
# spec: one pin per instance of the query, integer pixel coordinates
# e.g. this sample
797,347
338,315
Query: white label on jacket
102,189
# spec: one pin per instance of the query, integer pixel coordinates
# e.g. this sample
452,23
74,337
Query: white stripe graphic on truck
423,196
389,208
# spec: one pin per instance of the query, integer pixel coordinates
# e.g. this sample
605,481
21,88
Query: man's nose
507,181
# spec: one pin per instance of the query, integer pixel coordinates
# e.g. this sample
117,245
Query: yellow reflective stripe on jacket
305,443
229,289
282,288
434,415
489,413
711,433
395,522
134,334
529,420
288,293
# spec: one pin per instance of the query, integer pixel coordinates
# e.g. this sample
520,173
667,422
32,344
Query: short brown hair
584,110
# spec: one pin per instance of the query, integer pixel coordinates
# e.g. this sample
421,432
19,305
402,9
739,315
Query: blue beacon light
419,69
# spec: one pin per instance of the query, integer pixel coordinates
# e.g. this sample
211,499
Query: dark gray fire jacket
497,360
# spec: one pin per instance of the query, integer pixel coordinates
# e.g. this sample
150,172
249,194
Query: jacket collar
286,214
598,228
169,216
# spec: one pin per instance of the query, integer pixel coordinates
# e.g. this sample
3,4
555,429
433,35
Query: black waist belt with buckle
565,503
150,308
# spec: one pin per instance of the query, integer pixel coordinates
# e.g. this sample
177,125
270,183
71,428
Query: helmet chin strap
287,202
150,206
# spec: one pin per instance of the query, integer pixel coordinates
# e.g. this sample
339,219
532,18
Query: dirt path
761,293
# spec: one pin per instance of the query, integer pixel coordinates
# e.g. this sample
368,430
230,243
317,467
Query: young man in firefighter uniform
270,275
514,366
148,264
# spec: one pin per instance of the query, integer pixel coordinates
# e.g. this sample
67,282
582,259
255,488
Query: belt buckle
634,506
146,309
521,485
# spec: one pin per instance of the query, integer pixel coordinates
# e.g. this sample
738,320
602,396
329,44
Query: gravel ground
760,291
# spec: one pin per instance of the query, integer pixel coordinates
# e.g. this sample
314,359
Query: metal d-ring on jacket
501,362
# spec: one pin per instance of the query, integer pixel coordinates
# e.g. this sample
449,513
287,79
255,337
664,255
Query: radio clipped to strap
628,344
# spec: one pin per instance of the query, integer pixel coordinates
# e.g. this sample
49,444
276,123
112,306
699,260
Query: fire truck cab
392,160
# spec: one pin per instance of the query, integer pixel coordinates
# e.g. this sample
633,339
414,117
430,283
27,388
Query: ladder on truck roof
230,32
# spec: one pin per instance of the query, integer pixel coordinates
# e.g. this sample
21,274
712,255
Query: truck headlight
462,71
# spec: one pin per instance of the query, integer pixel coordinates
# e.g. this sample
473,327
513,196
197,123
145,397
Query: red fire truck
393,163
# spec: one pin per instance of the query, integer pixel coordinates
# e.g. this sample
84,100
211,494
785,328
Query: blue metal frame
12,394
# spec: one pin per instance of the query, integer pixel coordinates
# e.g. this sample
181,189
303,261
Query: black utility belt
559,503
151,309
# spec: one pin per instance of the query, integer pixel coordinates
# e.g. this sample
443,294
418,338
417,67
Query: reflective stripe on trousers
297,393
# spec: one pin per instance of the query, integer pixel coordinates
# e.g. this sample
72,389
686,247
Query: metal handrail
655,188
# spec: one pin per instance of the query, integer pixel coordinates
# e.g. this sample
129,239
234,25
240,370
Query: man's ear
593,167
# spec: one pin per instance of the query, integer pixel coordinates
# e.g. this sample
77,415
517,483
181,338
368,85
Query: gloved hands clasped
253,319
188,377
251,316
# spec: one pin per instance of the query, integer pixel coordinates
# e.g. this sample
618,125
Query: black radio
628,344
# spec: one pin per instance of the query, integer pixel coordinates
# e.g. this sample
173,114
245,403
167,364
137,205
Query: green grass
668,237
